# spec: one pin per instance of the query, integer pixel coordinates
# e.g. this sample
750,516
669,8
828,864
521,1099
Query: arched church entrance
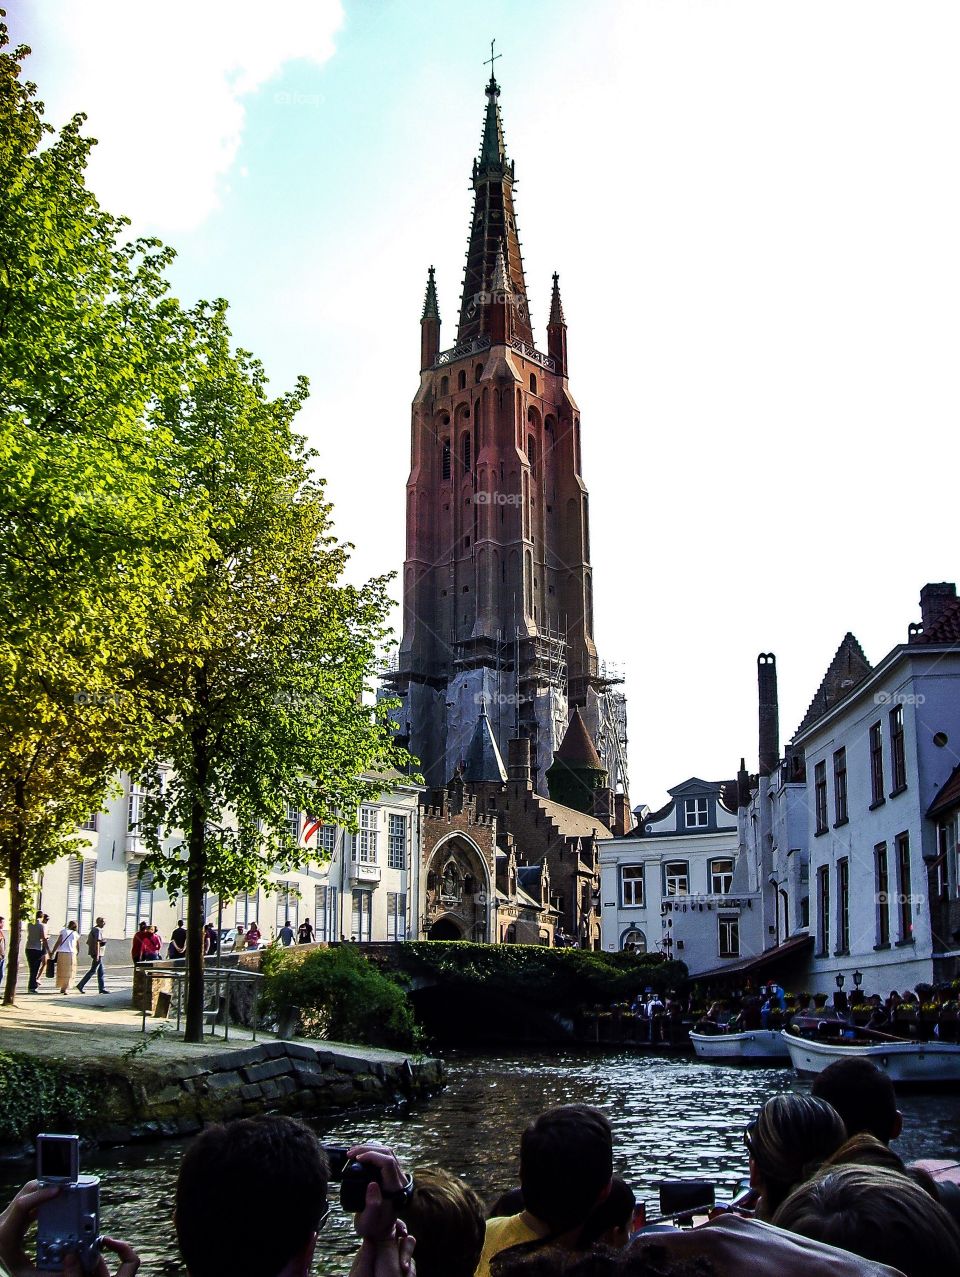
444,929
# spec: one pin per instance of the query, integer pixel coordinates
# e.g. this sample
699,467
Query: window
729,937
445,459
92,824
840,786
634,941
695,813
444,385
631,886
465,449
293,821
676,878
397,843
461,380
823,910
328,839
843,905
320,929
361,913
139,899
820,796
948,843
876,764
396,915
81,884
721,877
245,908
804,911
881,878
898,759
288,905
365,844
533,383
904,889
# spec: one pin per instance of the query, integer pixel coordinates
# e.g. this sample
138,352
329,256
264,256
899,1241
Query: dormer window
694,813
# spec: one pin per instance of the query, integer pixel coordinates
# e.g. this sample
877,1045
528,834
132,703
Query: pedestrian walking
305,932
211,941
65,952
37,948
3,949
96,944
285,934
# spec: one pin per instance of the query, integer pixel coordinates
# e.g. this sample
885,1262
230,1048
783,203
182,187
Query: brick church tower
497,585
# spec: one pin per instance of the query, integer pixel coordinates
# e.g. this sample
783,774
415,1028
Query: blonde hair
448,1220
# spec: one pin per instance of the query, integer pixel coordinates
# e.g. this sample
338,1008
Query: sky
753,207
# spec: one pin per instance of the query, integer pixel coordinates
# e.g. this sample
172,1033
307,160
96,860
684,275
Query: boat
912,1062
751,1044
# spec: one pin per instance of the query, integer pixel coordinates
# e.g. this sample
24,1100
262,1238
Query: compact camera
354,1178
70,1222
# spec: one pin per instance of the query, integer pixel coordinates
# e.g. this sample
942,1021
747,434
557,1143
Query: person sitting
566,1166
863,1095
790,1137
877,1213
271,1173
446,1217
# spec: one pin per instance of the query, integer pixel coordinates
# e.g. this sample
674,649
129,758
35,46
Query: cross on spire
492,58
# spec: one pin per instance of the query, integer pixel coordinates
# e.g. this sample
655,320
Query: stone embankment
143,1102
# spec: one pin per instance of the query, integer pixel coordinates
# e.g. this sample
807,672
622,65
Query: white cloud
164,88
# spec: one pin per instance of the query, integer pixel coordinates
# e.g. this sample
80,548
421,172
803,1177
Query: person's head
71,925
268,1172
864,1150
446,1217
863,1095
179,922
609,1221
101,922
286,922
789,1139
40,915
144,927
651,1260
566,1164
45,919
878,1214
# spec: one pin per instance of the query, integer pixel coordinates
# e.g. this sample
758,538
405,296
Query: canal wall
124,1100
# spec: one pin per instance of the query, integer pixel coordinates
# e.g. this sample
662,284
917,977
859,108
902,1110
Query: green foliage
556,979
37,1095
340,996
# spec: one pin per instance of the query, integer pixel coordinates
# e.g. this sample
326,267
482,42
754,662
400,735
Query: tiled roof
846,671
571,822
946,629
483,761
577,749
949,795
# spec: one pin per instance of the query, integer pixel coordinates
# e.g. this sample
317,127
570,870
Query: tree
90,558
273,653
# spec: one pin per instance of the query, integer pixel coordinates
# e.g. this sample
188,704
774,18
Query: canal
672,1118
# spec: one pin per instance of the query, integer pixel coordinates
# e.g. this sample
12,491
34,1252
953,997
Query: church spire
557,329
493,230
429,324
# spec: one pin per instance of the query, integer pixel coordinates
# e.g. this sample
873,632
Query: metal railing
217,983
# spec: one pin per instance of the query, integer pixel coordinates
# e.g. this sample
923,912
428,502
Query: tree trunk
17,901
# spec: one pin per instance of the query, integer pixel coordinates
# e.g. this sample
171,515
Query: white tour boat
751,1044
915,1063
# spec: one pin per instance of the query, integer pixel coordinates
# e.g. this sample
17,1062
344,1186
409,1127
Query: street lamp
858,978
839,978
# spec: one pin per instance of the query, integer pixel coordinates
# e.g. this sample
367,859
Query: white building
367,890
880,747
668,885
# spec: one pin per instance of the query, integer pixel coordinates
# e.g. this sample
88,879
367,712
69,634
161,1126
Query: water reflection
671,1117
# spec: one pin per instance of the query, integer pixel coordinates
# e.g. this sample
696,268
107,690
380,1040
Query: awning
795,947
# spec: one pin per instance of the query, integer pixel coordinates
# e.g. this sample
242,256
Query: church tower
497,585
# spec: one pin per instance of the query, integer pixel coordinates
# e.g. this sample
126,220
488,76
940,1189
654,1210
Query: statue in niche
451,882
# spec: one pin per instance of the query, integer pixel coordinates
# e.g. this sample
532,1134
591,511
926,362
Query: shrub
38,1094
339,995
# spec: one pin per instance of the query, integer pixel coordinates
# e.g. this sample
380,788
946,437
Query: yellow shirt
506,1231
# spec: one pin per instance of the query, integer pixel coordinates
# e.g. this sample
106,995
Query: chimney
622,823
518,759
769,713
934,601
603,806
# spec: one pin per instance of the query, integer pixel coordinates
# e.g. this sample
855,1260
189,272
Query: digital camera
353,1176
70,1222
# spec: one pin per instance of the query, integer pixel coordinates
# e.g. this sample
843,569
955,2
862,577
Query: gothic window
533,383
531,450
461,380
465,449
445,465
478,373
444,385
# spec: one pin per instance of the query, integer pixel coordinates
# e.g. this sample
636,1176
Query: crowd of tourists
828,1195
